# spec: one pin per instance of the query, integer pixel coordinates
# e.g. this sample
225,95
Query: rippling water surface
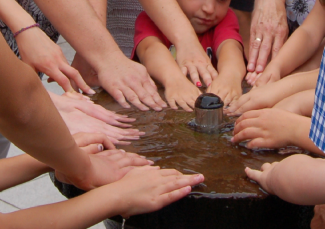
172,144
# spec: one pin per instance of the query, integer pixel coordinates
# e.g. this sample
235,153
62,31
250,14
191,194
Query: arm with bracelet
37,50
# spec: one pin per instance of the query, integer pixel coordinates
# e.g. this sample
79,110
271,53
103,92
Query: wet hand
183,93
127,80
105,167
262,176
266,128
77,114
227,89
148,189
194,61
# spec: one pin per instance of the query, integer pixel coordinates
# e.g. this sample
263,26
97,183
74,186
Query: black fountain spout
208,113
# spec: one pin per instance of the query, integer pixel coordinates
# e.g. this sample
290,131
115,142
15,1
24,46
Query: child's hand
262,176
269,75
257,98
182,92
148,189
270,128
227,88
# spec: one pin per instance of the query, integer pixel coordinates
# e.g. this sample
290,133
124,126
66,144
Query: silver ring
258,39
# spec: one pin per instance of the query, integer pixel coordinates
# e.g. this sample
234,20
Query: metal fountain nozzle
208,113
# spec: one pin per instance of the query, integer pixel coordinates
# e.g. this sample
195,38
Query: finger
252,78
85,139
254,48
178,181
184,105
93,148
194,75
184,70
213,72
265,166
61,79
262,80
279,40
73,74
132,161
111,152
265,51
76,95
239,106
152,99
205,75
170,172
172,103
133,98
253,174
256,78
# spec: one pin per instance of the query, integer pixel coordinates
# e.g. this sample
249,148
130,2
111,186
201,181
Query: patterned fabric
317,132
297,11
38,16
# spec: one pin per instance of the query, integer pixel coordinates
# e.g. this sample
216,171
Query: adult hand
42,54
262,177
269,31
105,166
81,115
194,61
125,80
270,128
148,189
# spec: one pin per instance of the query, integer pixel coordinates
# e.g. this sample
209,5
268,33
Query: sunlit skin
204,14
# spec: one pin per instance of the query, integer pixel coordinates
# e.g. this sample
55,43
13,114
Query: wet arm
19,169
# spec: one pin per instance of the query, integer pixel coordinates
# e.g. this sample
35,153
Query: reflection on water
171,143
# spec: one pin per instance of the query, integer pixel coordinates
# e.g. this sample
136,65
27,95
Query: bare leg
318,222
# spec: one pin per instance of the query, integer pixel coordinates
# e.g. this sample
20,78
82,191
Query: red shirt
228,28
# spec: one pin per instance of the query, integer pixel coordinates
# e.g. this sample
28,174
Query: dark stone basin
227,198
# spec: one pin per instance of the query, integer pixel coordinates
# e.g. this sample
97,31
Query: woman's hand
43,55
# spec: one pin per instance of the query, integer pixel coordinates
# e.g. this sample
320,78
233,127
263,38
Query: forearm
300,134
80,212
171,20
80,25
297,179
19,169
29,119
296,51
158,60
14,16
230,54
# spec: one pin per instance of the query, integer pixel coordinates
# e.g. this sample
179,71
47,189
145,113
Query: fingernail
198,84
151,162
122,150
91,91
100,147
86,97
187,189
250,66
259,68
142,156
209,84
232,139
198,177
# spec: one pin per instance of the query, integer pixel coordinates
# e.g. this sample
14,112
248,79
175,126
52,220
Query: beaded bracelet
23,29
